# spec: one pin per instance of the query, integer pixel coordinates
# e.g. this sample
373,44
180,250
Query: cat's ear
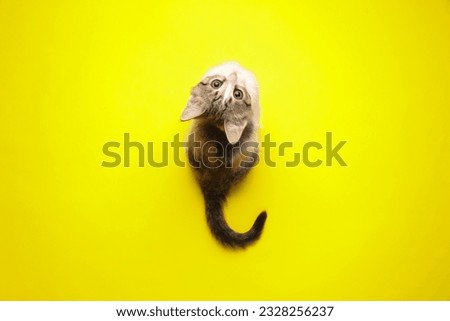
196,105
234,129
192,110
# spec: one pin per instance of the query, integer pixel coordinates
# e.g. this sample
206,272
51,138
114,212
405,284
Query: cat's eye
238,94
216,83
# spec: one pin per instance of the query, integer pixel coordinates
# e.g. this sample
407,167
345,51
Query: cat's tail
220,229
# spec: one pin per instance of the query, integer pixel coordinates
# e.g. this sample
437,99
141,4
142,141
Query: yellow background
77,74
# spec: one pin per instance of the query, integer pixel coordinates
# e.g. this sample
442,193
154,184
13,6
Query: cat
225,109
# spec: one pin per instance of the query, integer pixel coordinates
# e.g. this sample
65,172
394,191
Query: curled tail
220,229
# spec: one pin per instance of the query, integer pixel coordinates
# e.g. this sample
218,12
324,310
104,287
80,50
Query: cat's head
227,96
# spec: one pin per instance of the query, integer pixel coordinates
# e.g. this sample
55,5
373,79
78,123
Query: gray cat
223,144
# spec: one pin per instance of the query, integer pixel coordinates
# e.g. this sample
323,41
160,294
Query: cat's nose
232,77
228,94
